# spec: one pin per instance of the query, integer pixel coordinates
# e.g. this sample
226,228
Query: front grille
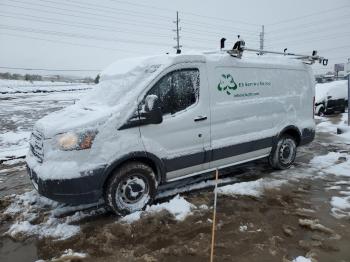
37,145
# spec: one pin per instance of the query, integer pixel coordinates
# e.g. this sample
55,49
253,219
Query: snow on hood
336,89
116,95
72,118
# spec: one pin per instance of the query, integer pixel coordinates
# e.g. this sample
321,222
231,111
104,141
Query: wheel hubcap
286,152
133,192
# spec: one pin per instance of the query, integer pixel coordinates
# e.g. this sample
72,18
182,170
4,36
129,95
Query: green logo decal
227,83
247,88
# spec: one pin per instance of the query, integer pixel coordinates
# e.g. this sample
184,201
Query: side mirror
153,110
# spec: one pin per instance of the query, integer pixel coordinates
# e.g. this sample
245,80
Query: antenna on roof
239,48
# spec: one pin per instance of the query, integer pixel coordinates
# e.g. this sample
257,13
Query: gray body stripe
216,154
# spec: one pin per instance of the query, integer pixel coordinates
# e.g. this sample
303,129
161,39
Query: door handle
200,118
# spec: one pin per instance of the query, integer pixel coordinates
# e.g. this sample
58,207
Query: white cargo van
158,119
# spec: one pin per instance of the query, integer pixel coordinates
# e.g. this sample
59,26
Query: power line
338,48
189,13
145,6
208,40
72,5
101,28
308,15
313,24
85,17
74,35
73,44
78,25
30,30
87,13
221,19
109,8
331,28
306,40
105,17
214,25
217,33
334,48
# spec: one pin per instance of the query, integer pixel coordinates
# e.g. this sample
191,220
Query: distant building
347,68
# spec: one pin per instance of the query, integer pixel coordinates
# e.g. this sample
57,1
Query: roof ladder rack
239,48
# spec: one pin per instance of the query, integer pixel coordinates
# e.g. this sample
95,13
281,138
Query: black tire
130,188
320,111
284,152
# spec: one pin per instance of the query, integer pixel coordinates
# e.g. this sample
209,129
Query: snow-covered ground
328,126
70,255
30,204
336,164
302,259
32,215
20,86
19,111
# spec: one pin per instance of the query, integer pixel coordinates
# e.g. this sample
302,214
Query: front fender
142,156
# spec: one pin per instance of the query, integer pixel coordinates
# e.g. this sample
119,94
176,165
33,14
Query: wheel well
144,160
293,132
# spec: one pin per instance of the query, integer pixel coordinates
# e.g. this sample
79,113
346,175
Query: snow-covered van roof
217,58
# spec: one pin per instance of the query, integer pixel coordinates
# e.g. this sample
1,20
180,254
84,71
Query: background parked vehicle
331,97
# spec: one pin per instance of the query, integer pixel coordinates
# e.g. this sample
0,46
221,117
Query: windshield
121,87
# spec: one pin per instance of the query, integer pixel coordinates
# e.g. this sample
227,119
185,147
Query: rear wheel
283,155
131,188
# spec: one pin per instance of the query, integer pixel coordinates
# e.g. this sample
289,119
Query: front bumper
82,190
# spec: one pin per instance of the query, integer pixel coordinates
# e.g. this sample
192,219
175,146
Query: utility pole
177,38
262,35
349,99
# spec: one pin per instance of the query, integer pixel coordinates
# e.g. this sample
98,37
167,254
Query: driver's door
183,137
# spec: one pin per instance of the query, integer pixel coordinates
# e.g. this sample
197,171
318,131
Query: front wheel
283,154
131,188
321,111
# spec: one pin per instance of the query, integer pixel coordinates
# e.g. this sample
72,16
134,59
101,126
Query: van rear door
183,138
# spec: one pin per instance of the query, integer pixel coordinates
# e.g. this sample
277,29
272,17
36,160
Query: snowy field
22,105
20,86
313,197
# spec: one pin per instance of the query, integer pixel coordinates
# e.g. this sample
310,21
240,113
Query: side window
177,90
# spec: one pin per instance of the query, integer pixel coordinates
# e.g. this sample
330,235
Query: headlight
76,140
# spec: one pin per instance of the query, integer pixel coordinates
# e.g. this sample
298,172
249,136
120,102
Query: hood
72,118
116,96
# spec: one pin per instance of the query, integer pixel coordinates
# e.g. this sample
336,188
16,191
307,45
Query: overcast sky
90,34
